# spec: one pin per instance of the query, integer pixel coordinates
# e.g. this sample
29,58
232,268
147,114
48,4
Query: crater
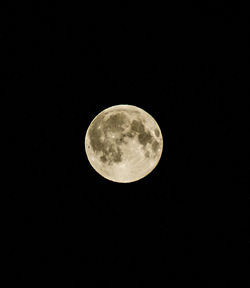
103,159
157,132
121,140
130,134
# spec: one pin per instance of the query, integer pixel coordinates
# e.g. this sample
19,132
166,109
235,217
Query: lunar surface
123,143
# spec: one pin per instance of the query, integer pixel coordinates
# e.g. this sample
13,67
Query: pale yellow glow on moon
123,143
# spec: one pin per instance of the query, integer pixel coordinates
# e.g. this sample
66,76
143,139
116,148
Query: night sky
69,226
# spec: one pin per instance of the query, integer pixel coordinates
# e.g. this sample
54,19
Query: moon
123,143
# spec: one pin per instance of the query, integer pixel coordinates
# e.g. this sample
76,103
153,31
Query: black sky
66,63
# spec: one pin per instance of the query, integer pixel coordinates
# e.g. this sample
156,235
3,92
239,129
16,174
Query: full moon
123,143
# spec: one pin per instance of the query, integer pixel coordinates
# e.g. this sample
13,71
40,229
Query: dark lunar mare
115,123
111,153
95,135
144,136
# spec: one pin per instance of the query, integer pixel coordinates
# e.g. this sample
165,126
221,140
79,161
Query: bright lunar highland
123,143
